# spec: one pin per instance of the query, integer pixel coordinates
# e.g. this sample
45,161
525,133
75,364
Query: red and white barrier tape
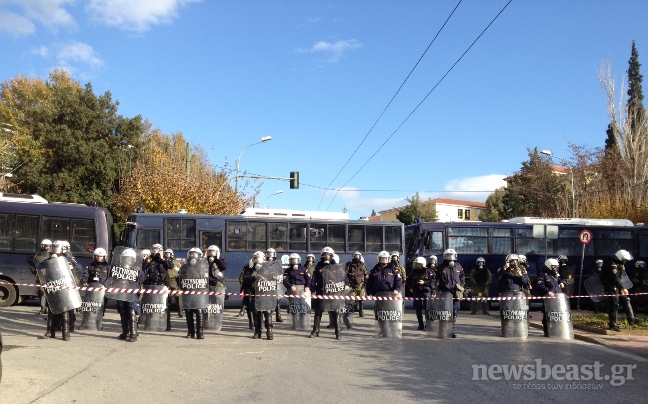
324,297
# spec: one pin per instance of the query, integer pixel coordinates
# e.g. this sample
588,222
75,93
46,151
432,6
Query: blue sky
316,75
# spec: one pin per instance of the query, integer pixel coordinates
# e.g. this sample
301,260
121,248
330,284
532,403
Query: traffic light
294,180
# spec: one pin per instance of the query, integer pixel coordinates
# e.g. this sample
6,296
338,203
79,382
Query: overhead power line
388,104
394,190
423,100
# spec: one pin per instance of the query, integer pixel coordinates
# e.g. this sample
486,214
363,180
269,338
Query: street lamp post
238,161
266,199
571,170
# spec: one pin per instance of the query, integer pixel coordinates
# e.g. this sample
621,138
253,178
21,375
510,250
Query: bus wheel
7,295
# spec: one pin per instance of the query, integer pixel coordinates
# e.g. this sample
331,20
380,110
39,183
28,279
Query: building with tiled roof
448,210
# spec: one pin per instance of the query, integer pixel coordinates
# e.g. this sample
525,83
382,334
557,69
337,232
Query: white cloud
40,51
334,51
74,51
50,13
16,24
136,15
481,183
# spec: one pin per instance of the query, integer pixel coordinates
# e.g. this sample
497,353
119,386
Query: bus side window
433,242
6,232
297,234
237,236
279,236
393,239
26,236
208,238
147,237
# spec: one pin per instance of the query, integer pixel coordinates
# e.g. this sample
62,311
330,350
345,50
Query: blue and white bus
494,241
252,230
25,220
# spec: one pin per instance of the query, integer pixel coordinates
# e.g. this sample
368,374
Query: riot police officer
247,288
194,329
271,255
524,267
480,280
317,288
640,281
357,273
310,263
34,261
384,277
512,278
598,271
250,277
421,284
612,273
97,271
56,321
548,285
172,284
217,266
296,275
395,255
129,310
433,263
77,271
451,278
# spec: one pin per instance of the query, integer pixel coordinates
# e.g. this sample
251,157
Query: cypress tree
635,91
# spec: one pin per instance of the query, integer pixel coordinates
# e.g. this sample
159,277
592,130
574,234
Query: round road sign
585,236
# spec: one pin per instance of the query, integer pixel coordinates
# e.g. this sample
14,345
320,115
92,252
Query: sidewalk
635,342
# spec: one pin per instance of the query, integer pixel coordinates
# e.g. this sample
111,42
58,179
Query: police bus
25,220
494,241
239,236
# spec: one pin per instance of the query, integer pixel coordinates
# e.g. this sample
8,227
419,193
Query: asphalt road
232,367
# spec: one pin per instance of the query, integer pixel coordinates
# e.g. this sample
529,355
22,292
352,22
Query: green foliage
77,146
494,211
415,210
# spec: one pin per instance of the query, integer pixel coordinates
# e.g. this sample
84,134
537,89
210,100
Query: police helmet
480,259
640,264
66,246
357,254
512,257
396,253
327,250
335,258
622,255
258,257
552,264
128,257
146,253
562,258
310,256
212,251
383,257
601,262
450,255
433,258
294,259
99,252
195,252
271,254
169,252
420,260
522,258
46,244
57,247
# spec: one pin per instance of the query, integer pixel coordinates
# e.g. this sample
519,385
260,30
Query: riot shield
438,316
215,308
346,313
265,286
92,308
567,278
514,315
625,281
194,280
389,317
41,256
333,276
281,288
55,274
558,317
154,306
299,308
125,267
594,288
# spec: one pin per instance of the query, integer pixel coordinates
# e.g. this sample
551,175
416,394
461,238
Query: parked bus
25,220
252,230
494,241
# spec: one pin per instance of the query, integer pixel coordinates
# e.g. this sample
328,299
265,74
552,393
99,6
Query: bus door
432,243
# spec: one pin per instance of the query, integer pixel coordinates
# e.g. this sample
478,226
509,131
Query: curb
593,340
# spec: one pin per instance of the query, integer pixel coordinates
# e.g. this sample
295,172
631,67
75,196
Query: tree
70,142
635,91
535,191
494,211
159,180
373,212
415,210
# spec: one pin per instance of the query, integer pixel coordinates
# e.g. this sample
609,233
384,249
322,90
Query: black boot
199,325
48,332
65,325
613,321
454,322
331,323
630,317
249,315
360,308
257,324
268,325
345,319
316,325
180,311
545,327
132,329
485,309
168,313
240,314
336,324
191,331
123,316
278,313
419,317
